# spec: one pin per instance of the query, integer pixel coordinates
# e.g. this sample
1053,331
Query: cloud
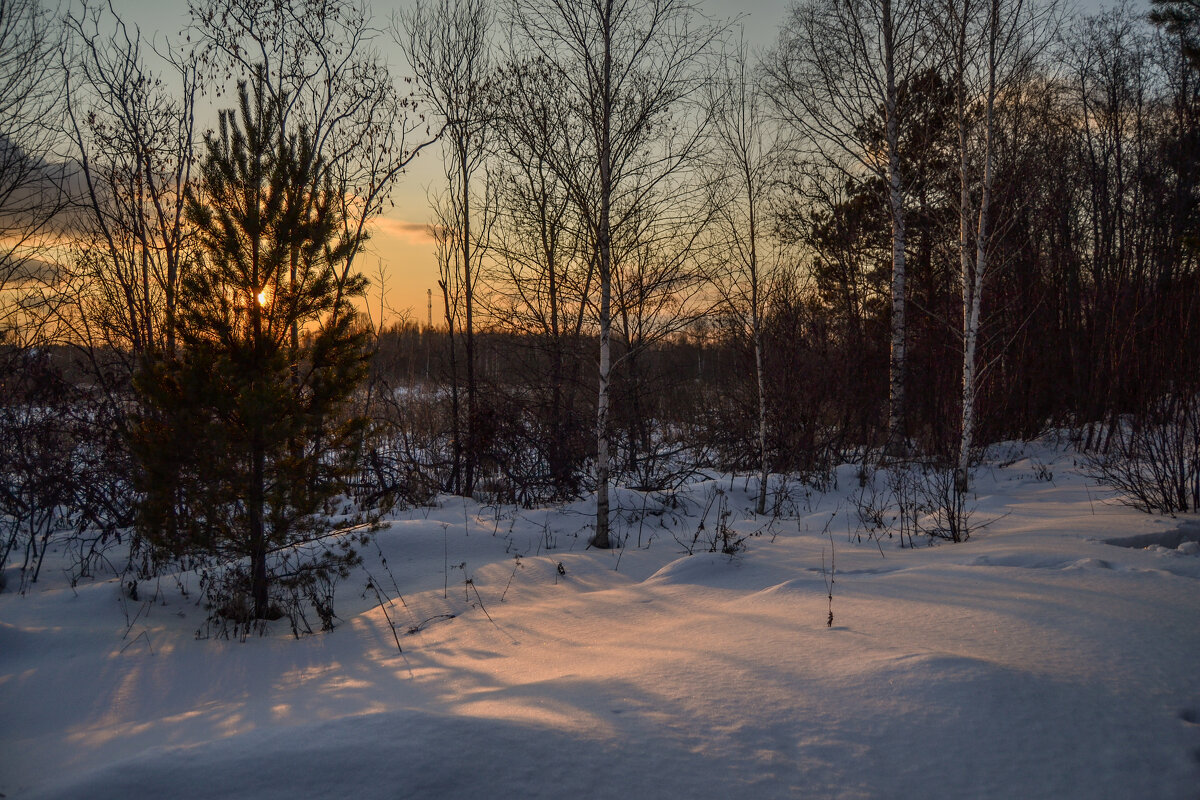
413,233
18,272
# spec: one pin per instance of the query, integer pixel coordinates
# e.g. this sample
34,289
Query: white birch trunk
973,283
601,539
965,239
756,332
897,362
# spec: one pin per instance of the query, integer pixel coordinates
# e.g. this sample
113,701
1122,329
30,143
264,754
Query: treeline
907,229
1027,177
916,227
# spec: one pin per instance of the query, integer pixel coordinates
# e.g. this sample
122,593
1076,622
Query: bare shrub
1153,458
916,499
303,580
406,458
720,537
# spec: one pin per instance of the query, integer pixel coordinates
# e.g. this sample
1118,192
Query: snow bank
1035,660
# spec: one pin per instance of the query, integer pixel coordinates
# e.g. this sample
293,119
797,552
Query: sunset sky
400,243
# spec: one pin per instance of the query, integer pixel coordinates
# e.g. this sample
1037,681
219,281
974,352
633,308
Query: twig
445,561
641,520
319,537
516,566
830,577
134,639
383,607
471,582
392,578
421,626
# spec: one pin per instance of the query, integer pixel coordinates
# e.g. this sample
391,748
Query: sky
400,244
401,250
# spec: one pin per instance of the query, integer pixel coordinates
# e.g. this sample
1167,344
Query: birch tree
32,178
747,153
991,46
836,68
542,269
624,66
447,46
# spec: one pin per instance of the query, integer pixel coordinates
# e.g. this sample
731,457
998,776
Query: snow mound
487,652
1185,539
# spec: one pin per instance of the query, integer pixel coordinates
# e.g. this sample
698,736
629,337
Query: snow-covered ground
1034,661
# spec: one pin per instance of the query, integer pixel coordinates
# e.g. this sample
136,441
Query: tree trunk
256,500
472,448
961,477
897,362
764,469
604,237
756,333
973,283
455,410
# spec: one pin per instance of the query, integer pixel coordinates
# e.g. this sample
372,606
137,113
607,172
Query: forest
811,417
905,231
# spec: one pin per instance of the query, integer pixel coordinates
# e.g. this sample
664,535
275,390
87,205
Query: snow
1054,655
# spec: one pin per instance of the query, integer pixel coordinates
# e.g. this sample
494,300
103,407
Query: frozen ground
1034,661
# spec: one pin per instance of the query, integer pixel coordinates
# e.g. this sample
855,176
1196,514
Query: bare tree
541,269
1111,79
662,257
32,177
458,284
447,46
748,150
37,469
132,132
129,125
623,68
990,46
836,69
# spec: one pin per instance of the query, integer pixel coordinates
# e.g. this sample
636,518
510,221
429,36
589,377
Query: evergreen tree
1182,18
246,432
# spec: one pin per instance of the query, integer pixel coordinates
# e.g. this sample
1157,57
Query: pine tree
246,433
1181,18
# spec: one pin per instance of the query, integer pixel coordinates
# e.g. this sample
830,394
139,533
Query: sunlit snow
1037,660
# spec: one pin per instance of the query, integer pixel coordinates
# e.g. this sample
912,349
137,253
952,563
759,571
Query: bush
1153,457
918,499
